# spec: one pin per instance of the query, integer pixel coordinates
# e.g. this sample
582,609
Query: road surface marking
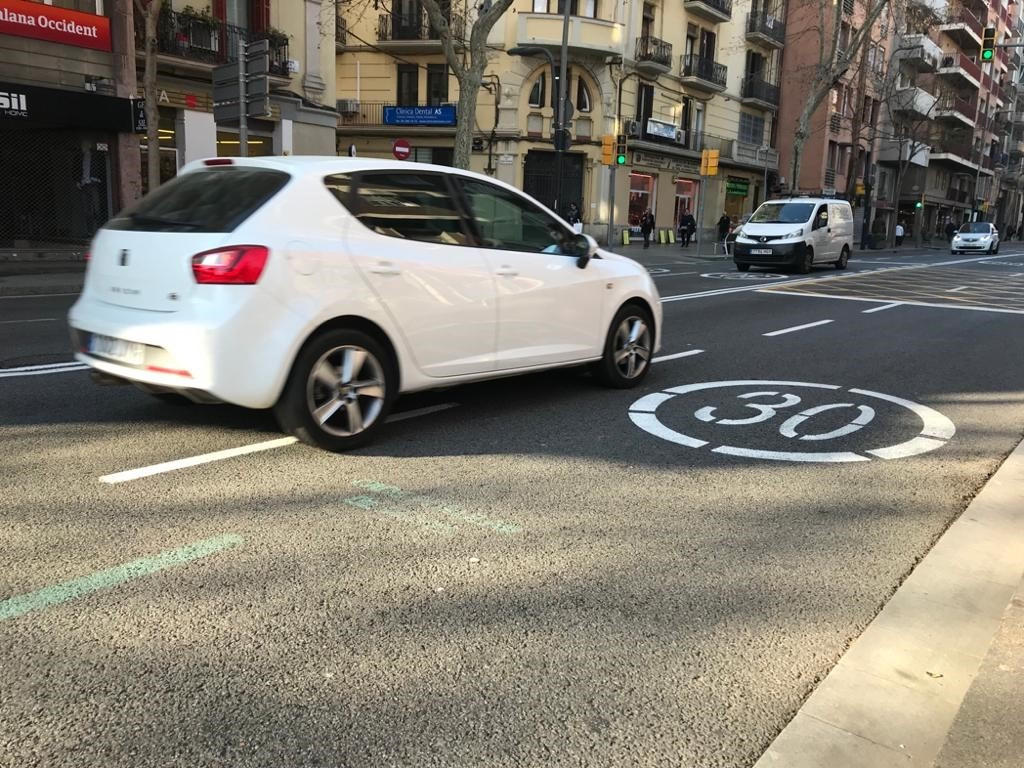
37,295
882,308
903,302
672,274
94,582
961,288
797,328
677,355
33,320
40,370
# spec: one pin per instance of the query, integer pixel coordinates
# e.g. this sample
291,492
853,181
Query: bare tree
149,10
470,75
834,61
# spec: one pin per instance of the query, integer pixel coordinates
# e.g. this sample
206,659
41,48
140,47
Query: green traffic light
987,54
620,160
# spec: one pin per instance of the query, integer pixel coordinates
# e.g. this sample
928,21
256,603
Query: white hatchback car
975,236
325,287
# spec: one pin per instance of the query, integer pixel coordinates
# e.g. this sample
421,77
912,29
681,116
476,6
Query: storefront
58,161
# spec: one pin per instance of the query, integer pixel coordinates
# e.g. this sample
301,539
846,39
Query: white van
796,232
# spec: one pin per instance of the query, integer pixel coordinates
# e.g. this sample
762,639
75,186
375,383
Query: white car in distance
325,287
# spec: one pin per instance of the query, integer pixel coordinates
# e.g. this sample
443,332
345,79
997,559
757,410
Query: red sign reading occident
58,25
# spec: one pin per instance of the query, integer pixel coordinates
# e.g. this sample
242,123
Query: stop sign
401,149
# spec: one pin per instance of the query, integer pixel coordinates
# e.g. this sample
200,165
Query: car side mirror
584,248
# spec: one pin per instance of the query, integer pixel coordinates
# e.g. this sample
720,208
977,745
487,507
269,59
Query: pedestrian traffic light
620,149
988,44
607,149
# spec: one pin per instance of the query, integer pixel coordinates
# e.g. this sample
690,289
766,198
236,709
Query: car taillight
234,265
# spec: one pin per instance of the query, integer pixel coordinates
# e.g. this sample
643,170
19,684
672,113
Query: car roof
833,200
298,165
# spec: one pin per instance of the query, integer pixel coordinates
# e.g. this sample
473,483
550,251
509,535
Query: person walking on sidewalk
899,234
724,225
950,230
687,226
647,226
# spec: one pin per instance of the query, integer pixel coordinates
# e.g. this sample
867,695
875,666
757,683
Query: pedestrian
574,218
687,226
647,226
1011,232
950,230
899,234
724,225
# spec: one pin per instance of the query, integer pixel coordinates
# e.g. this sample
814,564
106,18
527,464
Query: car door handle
385,268
506,272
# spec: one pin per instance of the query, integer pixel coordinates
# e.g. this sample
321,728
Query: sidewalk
935,681
33,272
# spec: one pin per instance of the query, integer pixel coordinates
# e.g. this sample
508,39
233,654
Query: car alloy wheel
628,348
345,391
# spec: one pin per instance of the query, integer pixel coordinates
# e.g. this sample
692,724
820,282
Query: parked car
796,232
325,287
976,236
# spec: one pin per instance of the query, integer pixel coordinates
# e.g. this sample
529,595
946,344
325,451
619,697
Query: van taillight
234,265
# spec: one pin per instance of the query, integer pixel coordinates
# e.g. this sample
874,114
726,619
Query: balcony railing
708,70
724,7
959,61
967,18
766,25
393,27
653,50
952,148
835,122
966,107
756,88
207,41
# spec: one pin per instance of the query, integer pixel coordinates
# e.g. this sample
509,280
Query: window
707,44
215,200
408,85
757,66
582,96
508,222
641,196
411,206
821,220
537,92
437,84
833,155
644,105
751,129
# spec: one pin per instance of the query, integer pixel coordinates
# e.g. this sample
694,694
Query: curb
893,697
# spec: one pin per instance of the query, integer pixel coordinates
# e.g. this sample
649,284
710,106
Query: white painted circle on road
657,270
792,408
743,276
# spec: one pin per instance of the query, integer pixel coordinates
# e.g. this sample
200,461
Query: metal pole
243,127
700,214
764,189
562,131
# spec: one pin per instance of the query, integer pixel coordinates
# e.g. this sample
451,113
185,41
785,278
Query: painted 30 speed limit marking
806,414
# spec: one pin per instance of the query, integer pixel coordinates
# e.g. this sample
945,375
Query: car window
506,221
406,205
217,199
839,214
822,217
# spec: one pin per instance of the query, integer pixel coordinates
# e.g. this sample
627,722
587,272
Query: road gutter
894,695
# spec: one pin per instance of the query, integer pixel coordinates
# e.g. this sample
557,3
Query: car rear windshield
976,227
214,200
782,213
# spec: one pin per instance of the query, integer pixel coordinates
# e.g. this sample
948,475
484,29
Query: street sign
401,149
227,85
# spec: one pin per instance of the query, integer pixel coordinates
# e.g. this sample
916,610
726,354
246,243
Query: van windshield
782,213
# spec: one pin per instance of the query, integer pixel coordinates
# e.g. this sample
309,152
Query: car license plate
761,251
127,352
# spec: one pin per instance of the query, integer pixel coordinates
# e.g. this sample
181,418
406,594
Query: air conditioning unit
680,136
633,128
348,106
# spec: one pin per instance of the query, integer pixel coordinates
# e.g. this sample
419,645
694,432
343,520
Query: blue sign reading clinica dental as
440,115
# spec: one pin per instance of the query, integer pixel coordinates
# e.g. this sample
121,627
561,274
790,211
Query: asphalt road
535,571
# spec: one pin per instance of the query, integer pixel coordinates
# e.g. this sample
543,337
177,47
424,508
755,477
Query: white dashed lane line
32,320
41,370
882,308
797,328
677,355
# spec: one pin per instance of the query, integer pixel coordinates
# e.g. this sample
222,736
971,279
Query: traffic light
988,44
919,205
607,149
620,149
709,162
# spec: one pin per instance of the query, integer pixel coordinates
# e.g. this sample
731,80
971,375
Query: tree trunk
152,15
857,126
469,90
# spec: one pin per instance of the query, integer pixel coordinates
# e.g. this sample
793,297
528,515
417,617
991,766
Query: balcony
413,33
703,74
954,154
370,114
914,102
962,196
653,56
961,71
192,43
893,152
920,53
953,110
715,11
764,29
753,155
593,36
835,122
964,27
759,93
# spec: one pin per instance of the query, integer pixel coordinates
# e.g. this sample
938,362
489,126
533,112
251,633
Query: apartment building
675,77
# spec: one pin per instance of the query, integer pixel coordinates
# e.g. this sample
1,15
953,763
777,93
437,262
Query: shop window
686,198
228,144
641,196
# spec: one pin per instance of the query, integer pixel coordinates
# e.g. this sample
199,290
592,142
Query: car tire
339,392
805,265
997,248
844,258
743,267
628,348
954,253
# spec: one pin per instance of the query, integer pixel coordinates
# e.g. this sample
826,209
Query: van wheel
339,391
844,258
743,267
807,262
627,349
